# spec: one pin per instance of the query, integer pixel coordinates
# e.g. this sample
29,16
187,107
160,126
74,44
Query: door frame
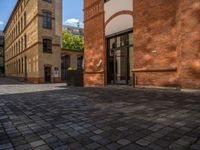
108,58
50,67
68,62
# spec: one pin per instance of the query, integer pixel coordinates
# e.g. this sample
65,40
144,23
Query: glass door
120,58
120,66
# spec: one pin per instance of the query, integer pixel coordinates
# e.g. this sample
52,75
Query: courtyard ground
52,116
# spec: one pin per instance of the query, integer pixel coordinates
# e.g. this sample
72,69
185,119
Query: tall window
22,24
25,41
24,19
47,46
47,20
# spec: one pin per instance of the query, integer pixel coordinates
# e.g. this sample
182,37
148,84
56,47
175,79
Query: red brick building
144,42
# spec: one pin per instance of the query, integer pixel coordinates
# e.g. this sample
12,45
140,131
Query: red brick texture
166,43
167,35
188,27
155,41
94,43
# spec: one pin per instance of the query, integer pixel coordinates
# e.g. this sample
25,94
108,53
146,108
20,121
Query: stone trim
28,49
155,70
22,32
123,12
93,72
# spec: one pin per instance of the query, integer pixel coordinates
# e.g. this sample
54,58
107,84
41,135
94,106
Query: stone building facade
33,41
1,53
147,43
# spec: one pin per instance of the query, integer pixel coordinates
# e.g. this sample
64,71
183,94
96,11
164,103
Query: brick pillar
188,27
94,36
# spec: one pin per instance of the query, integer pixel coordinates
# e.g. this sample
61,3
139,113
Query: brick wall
166,43
167,35
188,19
155,42
94,44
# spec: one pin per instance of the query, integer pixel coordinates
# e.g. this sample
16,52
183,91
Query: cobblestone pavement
10,86
55,117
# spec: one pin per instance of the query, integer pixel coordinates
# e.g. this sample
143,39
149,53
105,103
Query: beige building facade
33,41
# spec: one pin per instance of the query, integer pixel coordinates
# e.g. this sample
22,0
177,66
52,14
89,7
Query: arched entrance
119,47
108,42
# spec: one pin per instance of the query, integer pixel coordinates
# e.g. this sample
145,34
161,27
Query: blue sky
72,11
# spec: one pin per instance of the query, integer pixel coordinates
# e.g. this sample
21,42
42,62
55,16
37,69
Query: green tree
70,41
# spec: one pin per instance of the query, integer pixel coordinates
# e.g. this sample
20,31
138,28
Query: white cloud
1,22
73,22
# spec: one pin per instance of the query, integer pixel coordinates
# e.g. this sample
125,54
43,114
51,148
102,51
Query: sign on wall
56,72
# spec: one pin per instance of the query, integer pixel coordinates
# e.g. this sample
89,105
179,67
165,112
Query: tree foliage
70,41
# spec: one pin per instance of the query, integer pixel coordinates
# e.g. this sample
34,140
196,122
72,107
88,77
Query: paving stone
46,136
143,142
185,141
23,147
163,143
154,146
132,147
63,147
123,142
195,146
93,146
122,128
99,131
111,117
74,145
37,143
5,146
175,146
43,147
96,137
113,146
103,141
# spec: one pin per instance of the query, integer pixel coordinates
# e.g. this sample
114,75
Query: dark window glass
24,19
49,1
47,46
25,41
80,63
47,20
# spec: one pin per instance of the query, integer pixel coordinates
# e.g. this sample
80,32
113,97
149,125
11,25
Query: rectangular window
24,19
25,41
47,20
47,46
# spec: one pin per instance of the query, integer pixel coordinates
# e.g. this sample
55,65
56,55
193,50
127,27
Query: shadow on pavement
102,117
